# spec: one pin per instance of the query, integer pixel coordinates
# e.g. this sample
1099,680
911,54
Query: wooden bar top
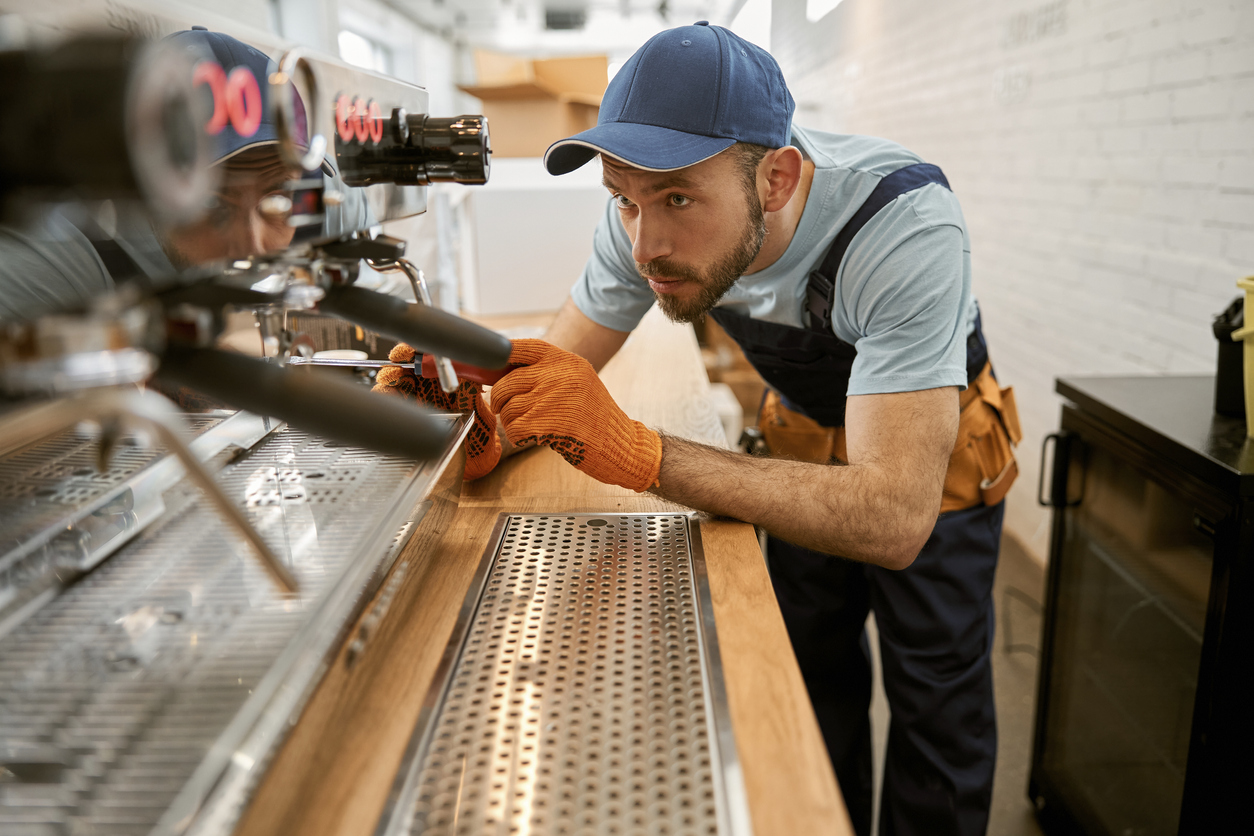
335,770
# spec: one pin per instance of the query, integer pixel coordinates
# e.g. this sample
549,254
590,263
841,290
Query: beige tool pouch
981,468
791,435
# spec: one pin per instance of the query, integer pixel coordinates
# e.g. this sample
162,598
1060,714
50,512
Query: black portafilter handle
339,410
429,330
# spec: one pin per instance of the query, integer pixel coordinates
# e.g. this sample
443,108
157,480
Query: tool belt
981,468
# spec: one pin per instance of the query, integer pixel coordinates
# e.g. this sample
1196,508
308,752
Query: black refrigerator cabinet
1143,718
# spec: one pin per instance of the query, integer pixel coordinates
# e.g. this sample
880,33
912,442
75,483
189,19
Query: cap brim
325,166
646,147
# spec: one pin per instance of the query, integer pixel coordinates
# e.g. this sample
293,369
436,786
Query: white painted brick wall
1103,151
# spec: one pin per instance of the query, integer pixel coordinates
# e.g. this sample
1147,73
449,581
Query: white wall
314,23
420,54
1103,152
529,236
429,58
255,13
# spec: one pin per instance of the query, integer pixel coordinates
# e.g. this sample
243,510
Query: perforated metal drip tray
581,692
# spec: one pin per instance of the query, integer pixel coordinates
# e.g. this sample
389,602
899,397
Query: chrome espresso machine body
172,581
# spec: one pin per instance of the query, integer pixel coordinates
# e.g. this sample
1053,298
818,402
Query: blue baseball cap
229,53
683,97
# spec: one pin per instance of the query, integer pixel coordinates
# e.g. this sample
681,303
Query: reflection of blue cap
683,97
231,54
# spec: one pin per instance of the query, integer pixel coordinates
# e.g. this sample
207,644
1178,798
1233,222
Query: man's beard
714,282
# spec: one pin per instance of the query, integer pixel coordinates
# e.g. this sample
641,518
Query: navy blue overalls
935,618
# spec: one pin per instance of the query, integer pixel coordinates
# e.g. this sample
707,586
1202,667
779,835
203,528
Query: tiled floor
1018,591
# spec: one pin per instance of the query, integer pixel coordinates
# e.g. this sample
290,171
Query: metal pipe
443,365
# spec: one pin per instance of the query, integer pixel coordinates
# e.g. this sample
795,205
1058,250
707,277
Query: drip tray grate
587,694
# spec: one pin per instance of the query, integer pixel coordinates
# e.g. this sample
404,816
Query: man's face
236,226
693,231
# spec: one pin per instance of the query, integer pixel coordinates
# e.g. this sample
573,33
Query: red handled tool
465,371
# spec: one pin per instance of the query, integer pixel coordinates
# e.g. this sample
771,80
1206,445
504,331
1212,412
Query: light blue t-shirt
903,290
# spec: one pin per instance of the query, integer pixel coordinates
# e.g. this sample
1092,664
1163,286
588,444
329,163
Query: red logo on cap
236,98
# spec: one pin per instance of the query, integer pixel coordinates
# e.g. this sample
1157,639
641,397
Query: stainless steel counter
143,688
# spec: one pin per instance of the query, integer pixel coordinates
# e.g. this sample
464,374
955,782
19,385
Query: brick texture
1103,151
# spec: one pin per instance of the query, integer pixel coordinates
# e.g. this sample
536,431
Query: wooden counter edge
333,774
788,776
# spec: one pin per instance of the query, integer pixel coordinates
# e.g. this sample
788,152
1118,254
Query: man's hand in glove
483,448
555,398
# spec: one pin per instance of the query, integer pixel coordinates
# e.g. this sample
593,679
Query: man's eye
219,213
622,202
679,200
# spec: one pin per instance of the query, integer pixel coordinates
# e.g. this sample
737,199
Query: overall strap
117,260
821,289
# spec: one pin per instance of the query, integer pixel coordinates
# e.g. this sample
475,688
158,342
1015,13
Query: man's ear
782,170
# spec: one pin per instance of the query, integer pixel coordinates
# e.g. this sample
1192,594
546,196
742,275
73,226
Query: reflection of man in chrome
250,211
62,258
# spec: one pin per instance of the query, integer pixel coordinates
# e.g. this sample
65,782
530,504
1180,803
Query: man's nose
652,239
248,238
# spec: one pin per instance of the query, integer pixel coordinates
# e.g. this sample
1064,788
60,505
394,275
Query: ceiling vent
565,18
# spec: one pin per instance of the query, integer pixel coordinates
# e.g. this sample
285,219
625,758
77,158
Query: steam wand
443,365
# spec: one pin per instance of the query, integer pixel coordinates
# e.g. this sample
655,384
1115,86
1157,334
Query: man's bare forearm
574,331
856,511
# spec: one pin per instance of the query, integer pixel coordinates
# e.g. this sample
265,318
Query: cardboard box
530,104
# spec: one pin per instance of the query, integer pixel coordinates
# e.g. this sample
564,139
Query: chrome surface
148,696
119,409
318,77
297,360
285,111
72,372
62,514
581,691
418,281
114,342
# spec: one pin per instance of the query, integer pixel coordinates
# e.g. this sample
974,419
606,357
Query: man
720,205
249,213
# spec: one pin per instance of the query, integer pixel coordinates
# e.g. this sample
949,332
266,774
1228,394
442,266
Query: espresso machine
188,532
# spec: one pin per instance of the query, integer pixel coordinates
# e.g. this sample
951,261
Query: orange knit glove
483,448
555,398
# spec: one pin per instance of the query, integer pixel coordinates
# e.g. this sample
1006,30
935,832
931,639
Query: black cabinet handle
1041,499
1062,447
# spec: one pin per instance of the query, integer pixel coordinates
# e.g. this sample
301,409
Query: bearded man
841,265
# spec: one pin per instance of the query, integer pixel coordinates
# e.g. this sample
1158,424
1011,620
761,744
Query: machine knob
454,150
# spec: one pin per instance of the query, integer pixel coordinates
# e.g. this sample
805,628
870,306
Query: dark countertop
1173,416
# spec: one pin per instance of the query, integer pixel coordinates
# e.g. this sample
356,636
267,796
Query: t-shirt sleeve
352,214
609,291
904,294
49,269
